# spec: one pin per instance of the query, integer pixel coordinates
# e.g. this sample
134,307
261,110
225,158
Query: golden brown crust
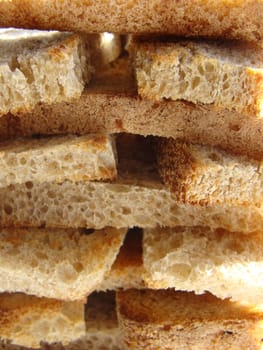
177,320
238,19
175,164
111,105
142,329
148,306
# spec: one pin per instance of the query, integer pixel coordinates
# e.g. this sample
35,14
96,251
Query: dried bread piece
44,67
136,198
239,19
103,48
56,263
127,271
28,320
91,157
227,74
207,175
198,259
102,330
110,104
179,320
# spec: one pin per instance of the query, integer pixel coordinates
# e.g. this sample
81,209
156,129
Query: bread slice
127,271
27,320
136,198
198,259
110,104
207,175
241,19
91,157
56,263
29,63
102,330
103,48
227,74
179,320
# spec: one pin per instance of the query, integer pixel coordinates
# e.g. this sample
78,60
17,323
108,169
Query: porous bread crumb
57,158
198,259
141,203
102,330
112,93
228,74
27,320
28,65
56,263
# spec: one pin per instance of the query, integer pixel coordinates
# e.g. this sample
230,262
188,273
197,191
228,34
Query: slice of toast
91,157
44,67
198,259
227,74
110,104
101,323
27,320
179,320
136,198
207,175
239,19
56,263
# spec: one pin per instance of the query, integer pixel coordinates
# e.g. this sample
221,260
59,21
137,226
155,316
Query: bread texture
179,320
226,74
127,271
102,330
56,263
136,198
91,157
227,264
28,65
27,320
240,19
110,104
207,175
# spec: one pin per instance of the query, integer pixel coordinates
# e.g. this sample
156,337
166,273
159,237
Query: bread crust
206,175
237,19
111,105
177,320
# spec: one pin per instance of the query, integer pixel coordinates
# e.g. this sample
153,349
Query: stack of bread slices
131,174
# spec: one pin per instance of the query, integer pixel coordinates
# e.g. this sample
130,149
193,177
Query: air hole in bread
86,231
8,209
182,271
29,185
78,267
